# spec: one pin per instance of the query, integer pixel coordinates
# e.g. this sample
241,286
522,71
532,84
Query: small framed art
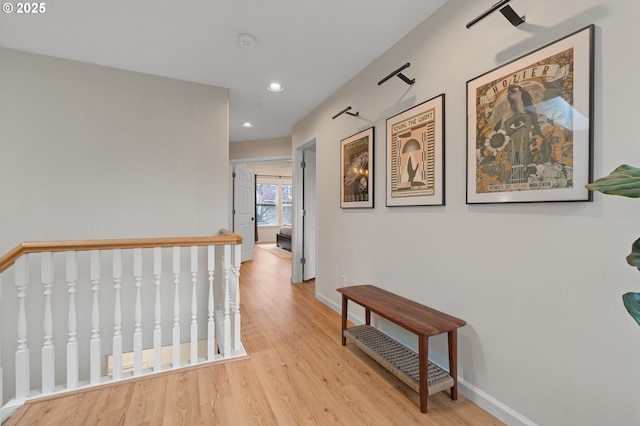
415,155
356,170
530,126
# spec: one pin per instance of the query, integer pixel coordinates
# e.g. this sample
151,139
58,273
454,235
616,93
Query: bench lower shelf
397,358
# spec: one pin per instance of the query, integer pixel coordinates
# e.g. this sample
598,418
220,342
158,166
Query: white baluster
117,316
72,343
96,345
211,326
157,329
48,350
137,334
237,254
176,307
22,354
226,343
194,305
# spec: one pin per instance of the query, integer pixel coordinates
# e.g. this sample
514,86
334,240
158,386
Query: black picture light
506,10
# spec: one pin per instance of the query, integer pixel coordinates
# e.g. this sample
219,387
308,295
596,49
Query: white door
244,207
310,203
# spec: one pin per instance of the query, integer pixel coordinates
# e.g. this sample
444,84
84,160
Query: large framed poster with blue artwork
530,126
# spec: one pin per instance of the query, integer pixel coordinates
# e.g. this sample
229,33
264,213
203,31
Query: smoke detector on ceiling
246,40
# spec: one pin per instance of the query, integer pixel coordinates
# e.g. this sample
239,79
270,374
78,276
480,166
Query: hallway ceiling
311,47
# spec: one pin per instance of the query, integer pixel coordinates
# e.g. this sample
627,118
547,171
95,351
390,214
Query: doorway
304,240
258,225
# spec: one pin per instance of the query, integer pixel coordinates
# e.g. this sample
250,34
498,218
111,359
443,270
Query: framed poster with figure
356,170
529,126
415,155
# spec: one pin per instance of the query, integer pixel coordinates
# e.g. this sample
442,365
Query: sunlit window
286,204
266,203
273,204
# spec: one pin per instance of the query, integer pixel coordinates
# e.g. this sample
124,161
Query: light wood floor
297,373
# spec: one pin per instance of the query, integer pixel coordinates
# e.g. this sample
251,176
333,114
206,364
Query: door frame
297,239
232,164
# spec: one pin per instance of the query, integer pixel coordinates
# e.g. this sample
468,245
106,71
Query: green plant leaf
634,257
623,181
632,303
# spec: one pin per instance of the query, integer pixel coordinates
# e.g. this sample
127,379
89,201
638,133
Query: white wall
261,149
94,152
548,340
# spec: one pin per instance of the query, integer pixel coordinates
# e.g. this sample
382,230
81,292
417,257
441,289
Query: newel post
226,341
237,256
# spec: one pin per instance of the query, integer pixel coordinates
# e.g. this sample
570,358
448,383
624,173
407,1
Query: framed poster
356,170
529,126
415,155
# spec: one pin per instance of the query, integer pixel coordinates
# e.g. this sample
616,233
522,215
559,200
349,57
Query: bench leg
344,318
453,362
423,363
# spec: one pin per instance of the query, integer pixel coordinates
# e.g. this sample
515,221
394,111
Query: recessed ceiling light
246,40
247,124
275,87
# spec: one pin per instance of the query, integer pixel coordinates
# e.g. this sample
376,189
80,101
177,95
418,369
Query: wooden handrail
225,237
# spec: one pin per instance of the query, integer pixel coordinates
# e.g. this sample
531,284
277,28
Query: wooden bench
414,369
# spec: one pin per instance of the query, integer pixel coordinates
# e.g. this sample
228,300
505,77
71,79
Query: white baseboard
472,393
338,308
492,405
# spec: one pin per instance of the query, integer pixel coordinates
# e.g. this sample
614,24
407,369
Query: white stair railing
81,319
